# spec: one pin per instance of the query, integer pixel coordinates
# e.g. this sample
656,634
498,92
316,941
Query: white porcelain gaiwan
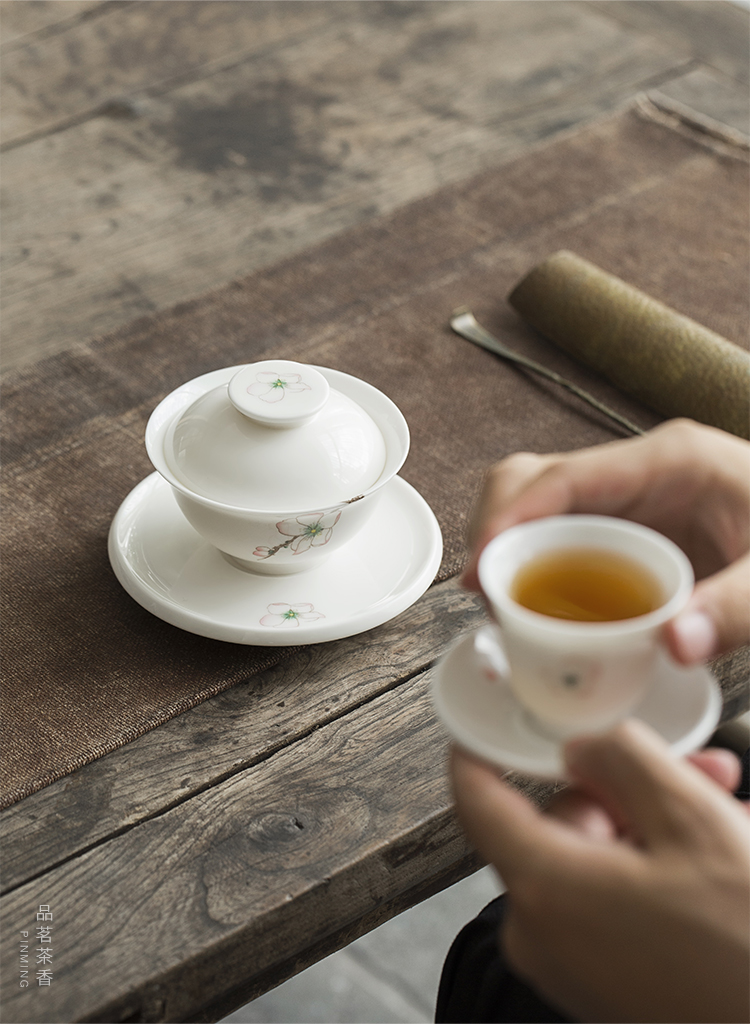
280,463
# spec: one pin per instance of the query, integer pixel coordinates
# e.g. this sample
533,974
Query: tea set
276,516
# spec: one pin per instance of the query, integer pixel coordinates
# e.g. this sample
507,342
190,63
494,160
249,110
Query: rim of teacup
383,411
511,539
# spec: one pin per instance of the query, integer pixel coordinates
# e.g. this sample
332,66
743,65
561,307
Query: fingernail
695,635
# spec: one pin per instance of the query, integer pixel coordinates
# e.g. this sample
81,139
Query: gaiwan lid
276,438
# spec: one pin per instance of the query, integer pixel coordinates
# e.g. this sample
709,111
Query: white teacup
575,677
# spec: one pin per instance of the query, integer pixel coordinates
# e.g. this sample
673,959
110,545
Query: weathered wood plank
723,100
112,219
218,1008
142,47
24,20
218,892
711,31
320,842
233,731
65,58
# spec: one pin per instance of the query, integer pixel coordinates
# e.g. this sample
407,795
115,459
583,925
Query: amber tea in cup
581,602
586,584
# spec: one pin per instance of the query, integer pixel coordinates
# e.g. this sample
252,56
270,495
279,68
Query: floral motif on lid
278,393
272,387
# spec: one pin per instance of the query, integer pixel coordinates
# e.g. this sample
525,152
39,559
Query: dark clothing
476,985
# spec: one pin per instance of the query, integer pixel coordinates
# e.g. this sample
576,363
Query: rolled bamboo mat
655,354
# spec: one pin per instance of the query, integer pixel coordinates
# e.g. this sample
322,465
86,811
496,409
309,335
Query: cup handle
489,654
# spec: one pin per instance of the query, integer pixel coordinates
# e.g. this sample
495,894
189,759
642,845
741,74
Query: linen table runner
87,669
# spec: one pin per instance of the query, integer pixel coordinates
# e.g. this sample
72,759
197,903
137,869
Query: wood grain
135,48
116,217
233,731
324,822
711,31
217,819
30,20
705,94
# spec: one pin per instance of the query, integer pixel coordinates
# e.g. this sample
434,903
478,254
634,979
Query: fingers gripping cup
581,601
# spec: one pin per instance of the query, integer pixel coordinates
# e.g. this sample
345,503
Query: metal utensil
464,323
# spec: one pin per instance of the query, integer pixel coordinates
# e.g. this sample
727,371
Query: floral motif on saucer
284,614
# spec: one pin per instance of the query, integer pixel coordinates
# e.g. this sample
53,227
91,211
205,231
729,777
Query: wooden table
217,855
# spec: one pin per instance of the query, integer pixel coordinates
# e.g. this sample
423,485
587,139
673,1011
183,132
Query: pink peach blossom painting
305,531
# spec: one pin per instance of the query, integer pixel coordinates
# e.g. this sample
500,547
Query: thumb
717,617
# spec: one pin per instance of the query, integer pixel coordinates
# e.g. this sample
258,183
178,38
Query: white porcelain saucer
172,572
477,706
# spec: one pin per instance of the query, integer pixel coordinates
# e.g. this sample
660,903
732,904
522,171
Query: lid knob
278,393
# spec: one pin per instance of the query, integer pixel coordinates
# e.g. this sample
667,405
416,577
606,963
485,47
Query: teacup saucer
171,571
477,706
